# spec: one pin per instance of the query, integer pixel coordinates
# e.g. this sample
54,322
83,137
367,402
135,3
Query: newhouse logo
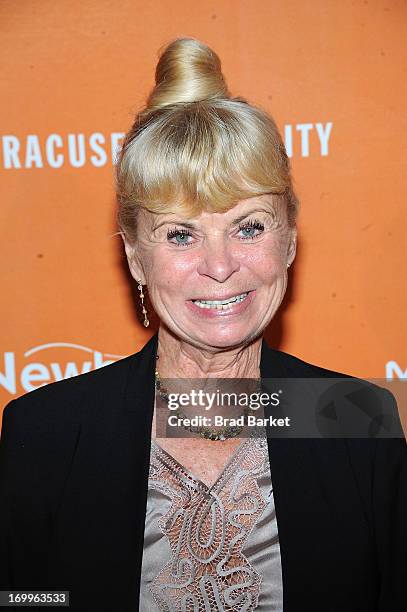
49,363
394,371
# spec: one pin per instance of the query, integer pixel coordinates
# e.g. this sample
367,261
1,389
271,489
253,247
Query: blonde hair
194,147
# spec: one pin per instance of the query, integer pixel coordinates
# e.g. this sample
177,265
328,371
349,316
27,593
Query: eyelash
252,223
176,232
255,224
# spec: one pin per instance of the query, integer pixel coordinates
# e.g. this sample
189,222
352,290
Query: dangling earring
146,322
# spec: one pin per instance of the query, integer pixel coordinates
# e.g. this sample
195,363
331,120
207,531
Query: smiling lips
225,304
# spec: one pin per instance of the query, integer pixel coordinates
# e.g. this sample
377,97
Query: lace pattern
206,528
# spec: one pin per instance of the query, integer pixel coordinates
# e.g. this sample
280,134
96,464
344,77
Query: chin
223,339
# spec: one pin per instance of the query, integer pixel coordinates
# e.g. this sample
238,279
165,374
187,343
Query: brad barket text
221,421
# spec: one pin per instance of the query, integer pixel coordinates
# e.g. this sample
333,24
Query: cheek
265,259
171,268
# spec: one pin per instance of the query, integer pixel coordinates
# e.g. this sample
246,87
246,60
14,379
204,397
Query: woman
98,502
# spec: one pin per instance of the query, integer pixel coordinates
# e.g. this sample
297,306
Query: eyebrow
235,221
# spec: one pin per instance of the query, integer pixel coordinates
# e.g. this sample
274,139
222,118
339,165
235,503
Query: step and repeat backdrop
73,74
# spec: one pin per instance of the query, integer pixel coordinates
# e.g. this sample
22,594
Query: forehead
265,202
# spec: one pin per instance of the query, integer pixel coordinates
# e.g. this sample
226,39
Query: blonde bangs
201,156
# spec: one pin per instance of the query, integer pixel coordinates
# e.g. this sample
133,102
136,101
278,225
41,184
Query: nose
218,260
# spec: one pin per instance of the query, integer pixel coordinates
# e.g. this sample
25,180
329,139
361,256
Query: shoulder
378,458
64,401
298,367
291,366
64,397
343,406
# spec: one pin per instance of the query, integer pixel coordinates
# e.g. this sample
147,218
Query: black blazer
74,473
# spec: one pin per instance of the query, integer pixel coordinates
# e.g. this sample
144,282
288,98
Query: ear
135,267
292,246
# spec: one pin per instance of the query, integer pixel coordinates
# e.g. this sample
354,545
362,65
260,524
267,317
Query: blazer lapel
301,509
97,542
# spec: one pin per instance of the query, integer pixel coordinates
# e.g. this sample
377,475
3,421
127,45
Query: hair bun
187,71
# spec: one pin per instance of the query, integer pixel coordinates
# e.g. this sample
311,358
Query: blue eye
251,229
181,236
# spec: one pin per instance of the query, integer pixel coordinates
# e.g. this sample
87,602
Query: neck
179,359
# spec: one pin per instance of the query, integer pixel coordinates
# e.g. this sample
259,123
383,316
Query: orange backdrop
332,73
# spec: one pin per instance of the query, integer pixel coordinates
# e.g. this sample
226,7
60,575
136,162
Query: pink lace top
211,548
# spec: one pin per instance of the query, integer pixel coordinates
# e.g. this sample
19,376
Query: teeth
221,304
